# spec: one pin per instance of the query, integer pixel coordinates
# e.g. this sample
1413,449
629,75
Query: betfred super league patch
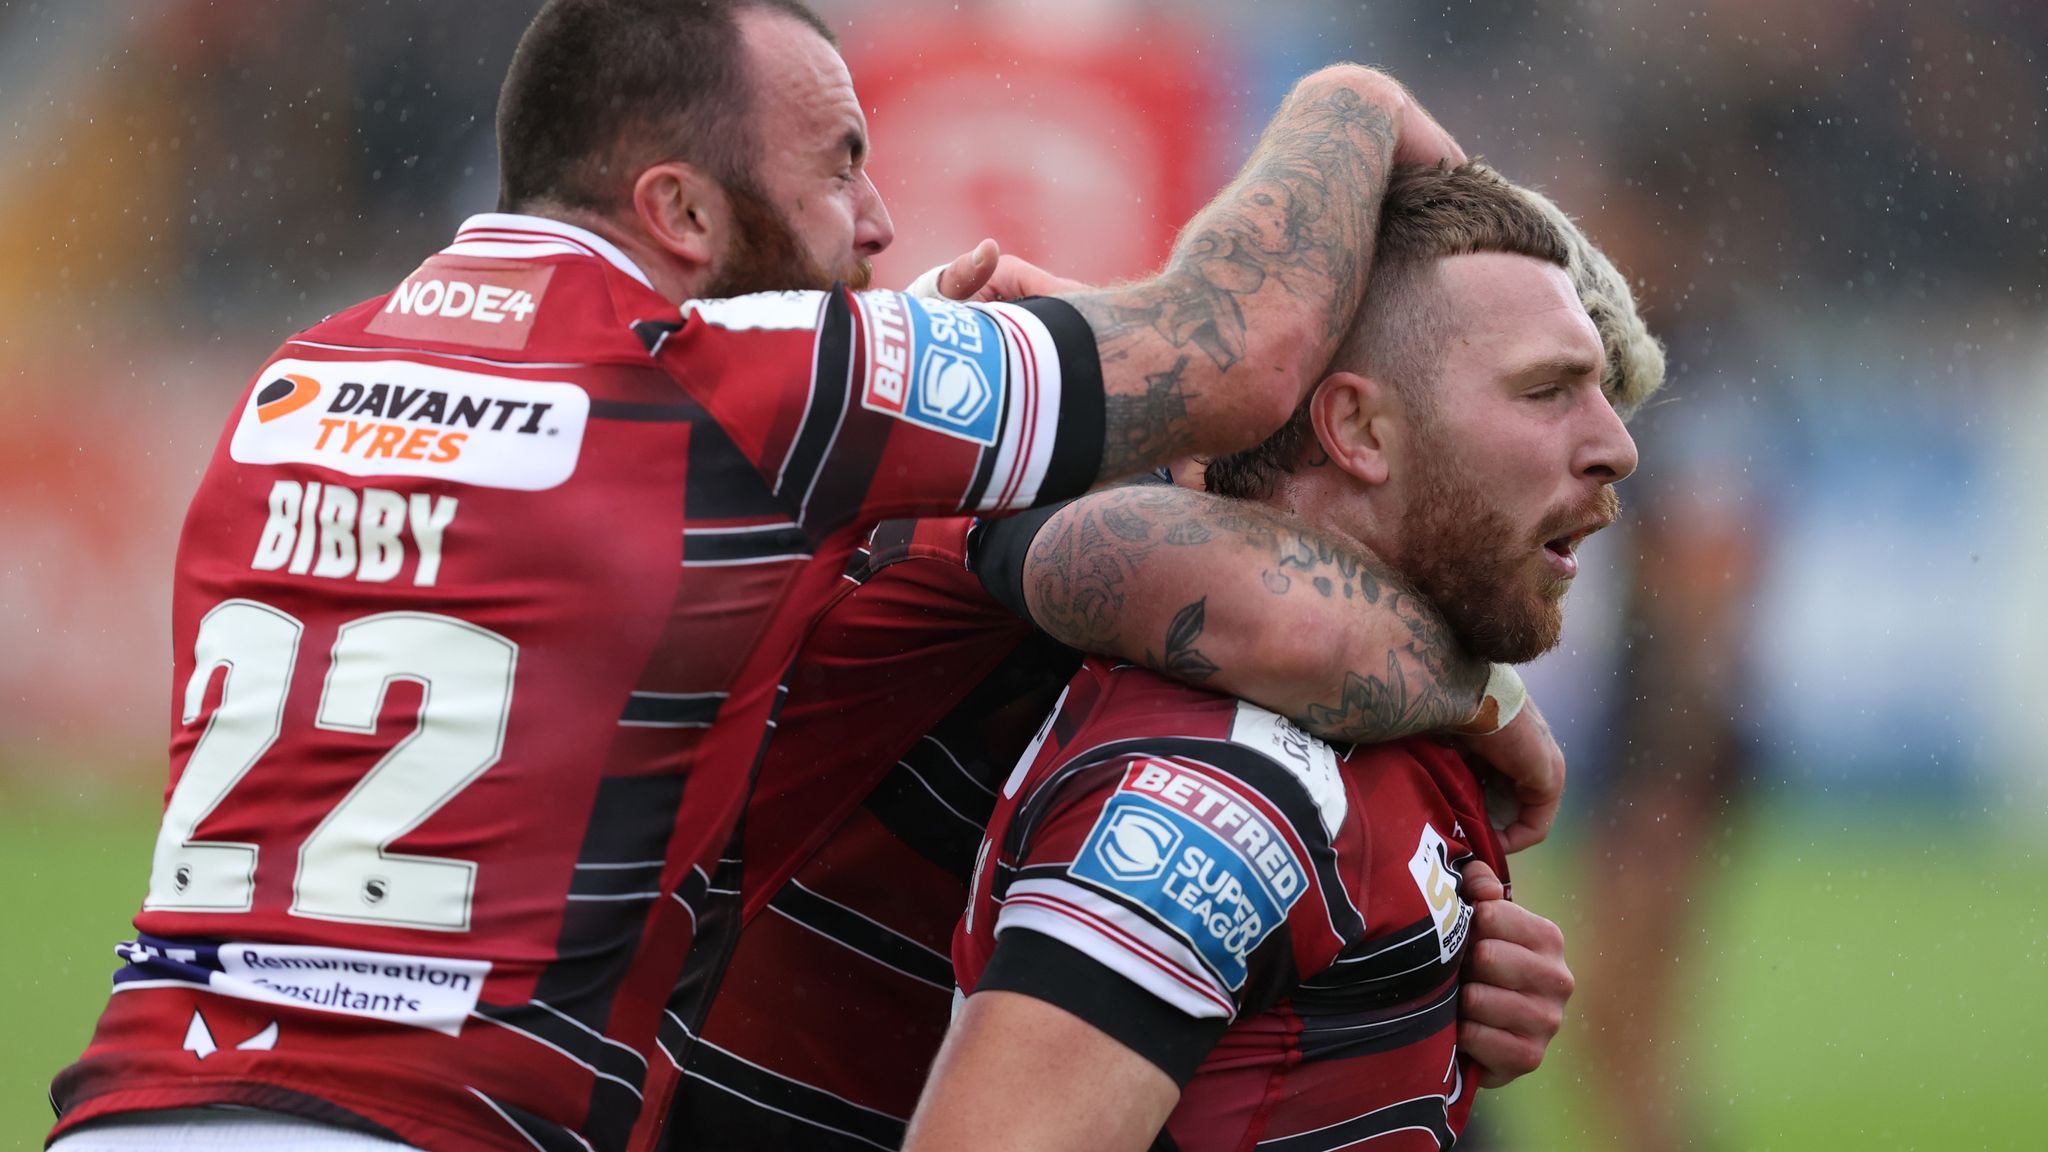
1199,856
934,363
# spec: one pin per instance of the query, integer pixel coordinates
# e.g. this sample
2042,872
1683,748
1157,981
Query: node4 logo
934,363
1135,844
481,302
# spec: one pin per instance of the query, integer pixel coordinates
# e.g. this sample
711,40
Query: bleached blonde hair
1635,358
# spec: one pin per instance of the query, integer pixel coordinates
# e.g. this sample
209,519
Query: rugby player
483,605
1189,914
841,985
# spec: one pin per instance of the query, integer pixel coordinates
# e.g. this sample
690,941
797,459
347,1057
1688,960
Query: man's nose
872,229
1609,452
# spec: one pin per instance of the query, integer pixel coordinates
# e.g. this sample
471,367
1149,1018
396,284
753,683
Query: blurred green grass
1857,985
1862,981
78,861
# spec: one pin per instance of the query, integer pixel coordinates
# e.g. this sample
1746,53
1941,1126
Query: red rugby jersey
1273,924
481,615
910,701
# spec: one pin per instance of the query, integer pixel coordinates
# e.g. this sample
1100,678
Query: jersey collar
509,235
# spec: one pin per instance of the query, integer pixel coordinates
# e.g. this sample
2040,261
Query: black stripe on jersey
831,387
941,810
1280,786
726,1102
1390,968
967,792
985,466
754,544
1077,453
1425,1112
545,1135
620,882
630,823
653,333
1064,726
841,489
671,709
715,911
630,412
1044,968
615,1094
80,1084
914,814
715,917
1328,1036
715,922
1342,1038
723,483
849,929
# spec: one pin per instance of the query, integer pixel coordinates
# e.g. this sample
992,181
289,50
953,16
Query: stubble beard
1489,581
766,255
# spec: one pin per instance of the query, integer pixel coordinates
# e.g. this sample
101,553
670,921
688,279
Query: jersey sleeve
999,550
910,635
1199,876
862,406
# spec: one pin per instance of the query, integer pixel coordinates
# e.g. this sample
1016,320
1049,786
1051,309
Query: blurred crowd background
1801,864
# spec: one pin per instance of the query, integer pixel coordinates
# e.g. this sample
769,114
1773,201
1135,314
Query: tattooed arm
1212,354
1241,599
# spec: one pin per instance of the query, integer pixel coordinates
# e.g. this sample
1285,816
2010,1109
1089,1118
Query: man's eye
1547,392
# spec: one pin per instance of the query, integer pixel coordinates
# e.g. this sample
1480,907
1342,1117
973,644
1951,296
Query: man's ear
685,212
1353,417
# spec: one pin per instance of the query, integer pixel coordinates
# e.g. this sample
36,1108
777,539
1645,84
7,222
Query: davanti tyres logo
284,396
401,418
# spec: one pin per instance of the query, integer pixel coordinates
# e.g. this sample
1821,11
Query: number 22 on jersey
344,870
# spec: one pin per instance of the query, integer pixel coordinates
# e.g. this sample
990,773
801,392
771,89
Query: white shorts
217,1130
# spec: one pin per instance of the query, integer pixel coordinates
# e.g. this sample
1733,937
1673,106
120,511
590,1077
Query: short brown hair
1430,213
600,89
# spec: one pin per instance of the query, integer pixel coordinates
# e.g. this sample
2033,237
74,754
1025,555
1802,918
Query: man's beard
765,254
1464,554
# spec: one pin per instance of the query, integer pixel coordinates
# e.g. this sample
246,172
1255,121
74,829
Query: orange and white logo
284,396
397,418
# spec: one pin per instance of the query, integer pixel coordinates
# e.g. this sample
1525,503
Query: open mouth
1563,550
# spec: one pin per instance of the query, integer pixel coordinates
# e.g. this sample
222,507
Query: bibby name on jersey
328,530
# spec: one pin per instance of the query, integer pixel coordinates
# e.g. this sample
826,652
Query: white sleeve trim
1120,940
1031,425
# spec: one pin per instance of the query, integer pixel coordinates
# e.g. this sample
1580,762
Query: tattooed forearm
1076,581
1183,661
1145,427
1079,569
1441,695
1260,287
1116,570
